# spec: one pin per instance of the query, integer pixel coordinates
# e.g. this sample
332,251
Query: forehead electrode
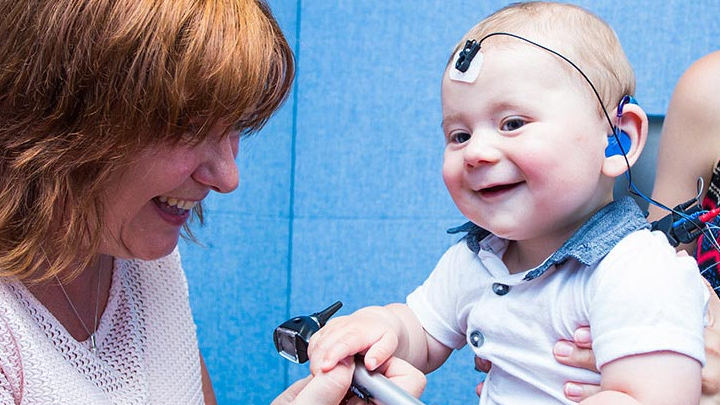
467,63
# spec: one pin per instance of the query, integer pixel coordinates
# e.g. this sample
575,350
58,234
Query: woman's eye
512,124
459,137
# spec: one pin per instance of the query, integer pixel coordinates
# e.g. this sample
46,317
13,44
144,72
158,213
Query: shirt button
476,338
500,289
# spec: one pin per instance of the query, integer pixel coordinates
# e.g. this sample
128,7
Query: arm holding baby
651,351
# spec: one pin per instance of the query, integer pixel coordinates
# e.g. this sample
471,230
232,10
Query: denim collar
590,243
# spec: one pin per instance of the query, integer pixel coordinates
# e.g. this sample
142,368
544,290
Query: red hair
84,84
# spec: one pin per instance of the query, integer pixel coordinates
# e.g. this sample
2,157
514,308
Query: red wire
710,215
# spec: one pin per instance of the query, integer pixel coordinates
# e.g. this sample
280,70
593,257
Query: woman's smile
172,210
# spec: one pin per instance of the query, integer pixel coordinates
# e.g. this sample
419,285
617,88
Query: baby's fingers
328,347
382,350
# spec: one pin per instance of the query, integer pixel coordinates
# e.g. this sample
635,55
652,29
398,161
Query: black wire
607,116
614,128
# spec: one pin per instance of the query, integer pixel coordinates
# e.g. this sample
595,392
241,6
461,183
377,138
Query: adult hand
322,389
711,371
484,366
575,353
330,388
578,353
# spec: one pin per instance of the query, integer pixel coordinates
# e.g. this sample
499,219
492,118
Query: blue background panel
341,196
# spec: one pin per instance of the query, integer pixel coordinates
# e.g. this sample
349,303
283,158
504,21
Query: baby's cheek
452,178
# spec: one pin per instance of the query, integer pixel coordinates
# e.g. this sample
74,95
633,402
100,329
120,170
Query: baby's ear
632,133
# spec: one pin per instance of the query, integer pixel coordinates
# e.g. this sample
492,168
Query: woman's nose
218,169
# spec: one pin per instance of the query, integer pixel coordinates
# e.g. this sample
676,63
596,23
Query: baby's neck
522,256
527,254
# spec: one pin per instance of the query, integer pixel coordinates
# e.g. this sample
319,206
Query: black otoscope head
292,336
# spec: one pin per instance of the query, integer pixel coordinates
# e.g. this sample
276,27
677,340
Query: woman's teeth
175,202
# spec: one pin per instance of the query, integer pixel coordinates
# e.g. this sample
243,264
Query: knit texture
147,345
708,256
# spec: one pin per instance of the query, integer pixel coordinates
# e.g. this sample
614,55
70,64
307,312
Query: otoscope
291,341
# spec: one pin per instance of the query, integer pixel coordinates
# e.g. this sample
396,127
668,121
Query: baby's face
524,145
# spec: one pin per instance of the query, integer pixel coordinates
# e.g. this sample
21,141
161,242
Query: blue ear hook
627,99
619,142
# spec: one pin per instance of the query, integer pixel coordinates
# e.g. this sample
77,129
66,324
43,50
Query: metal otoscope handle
291,341
371,385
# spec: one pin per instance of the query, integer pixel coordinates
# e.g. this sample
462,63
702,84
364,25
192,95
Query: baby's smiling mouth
497,190
174,206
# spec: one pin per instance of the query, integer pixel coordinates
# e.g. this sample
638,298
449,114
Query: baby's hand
371,331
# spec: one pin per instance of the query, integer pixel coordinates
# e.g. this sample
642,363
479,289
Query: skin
578,353
689,148
504,133
689,141
331,387
502,148
135,227
208,392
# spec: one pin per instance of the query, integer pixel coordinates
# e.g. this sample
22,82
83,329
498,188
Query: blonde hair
84,84
574,32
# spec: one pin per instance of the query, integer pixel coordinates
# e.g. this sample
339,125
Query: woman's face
148,202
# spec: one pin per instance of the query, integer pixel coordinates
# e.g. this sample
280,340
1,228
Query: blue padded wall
340,195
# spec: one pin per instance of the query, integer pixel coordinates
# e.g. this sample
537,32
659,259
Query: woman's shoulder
708,64
700,83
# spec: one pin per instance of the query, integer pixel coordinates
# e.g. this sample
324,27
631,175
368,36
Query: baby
530,159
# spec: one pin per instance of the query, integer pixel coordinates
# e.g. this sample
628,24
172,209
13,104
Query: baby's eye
512,124
459,137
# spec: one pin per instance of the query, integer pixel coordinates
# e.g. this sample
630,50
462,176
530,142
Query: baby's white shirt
638,299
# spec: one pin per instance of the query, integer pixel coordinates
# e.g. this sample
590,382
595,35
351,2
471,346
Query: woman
116,120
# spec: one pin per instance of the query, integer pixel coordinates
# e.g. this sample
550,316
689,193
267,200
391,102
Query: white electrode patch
472,71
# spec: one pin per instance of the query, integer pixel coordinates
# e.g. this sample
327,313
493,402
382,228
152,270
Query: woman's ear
634,124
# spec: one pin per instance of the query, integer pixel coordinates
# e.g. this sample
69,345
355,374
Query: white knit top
147,347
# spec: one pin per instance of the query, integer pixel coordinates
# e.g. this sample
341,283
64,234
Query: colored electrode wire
703,216
615,131
709,216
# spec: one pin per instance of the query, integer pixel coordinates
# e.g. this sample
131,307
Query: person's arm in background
207,388
689,148
690,138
